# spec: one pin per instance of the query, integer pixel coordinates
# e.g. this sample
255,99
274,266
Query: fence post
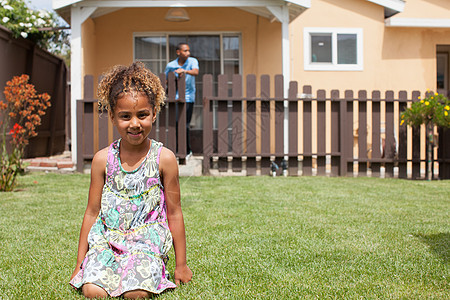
236,119
402,138
80,135
251,125
321,133
293,128
415,144
362,133
376,145
336,150
207,123
444,153
222,122
265,130
279,116
346,127
180,114
307,134
389,140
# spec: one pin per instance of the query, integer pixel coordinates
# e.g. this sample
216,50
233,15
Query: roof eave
417,22
392,5
296,7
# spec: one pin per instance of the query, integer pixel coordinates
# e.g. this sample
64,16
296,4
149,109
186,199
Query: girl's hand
182,274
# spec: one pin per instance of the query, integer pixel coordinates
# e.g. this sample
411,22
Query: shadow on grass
438,243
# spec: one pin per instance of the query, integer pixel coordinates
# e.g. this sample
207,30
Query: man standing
187,66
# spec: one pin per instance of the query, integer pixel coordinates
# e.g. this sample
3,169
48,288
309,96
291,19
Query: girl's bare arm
93,206
169,173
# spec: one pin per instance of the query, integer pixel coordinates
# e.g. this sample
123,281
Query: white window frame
221,34
333,66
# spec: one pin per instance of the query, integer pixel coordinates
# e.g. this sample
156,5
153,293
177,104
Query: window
333,49
217,53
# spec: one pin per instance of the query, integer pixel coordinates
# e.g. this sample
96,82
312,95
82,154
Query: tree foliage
433,109
39,26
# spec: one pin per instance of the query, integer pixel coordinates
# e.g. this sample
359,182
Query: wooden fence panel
222,122
415,145
103,121
236,125
402,138
207,123
444,153
307,136
362,133
335,134
376,128
252,128
279,115
293,128
321,133
389,148
171,127
266,131
48,73
251,125
346,127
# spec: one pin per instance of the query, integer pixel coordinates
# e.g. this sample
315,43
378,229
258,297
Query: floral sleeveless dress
129,242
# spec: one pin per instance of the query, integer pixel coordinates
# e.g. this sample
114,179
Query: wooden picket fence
355,134
248,134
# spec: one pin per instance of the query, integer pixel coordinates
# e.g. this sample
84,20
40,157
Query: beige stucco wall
261,39
88,47
439,9
394,58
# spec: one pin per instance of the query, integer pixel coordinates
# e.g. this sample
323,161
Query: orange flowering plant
432,110
22,107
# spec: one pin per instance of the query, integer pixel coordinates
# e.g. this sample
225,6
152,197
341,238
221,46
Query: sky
40,4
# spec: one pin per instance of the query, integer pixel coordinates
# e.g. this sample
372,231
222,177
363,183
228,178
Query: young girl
133,212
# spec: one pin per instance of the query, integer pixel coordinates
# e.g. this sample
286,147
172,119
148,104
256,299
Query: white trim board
179,3
417,22
397,5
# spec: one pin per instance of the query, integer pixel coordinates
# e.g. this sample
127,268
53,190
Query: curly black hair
129,79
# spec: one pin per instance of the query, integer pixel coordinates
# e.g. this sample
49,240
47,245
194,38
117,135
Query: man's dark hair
181,44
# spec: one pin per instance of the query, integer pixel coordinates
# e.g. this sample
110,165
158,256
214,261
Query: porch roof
258,7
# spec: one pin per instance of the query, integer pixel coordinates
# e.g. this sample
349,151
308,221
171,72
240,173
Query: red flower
15,130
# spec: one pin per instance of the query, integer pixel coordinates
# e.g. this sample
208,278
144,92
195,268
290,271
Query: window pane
154,66
231,47
150,47
321,47
441,67
346,48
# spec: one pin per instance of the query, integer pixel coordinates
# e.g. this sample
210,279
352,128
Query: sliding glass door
216,53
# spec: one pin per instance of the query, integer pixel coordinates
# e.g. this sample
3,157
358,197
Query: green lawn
253,237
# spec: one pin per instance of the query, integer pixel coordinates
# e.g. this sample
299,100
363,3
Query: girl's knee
91,290
136,294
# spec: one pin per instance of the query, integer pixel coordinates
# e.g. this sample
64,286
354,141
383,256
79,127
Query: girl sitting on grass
133,213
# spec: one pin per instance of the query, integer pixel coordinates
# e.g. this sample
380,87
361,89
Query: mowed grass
252,238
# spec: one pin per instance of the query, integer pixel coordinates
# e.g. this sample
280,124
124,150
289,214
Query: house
346,44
